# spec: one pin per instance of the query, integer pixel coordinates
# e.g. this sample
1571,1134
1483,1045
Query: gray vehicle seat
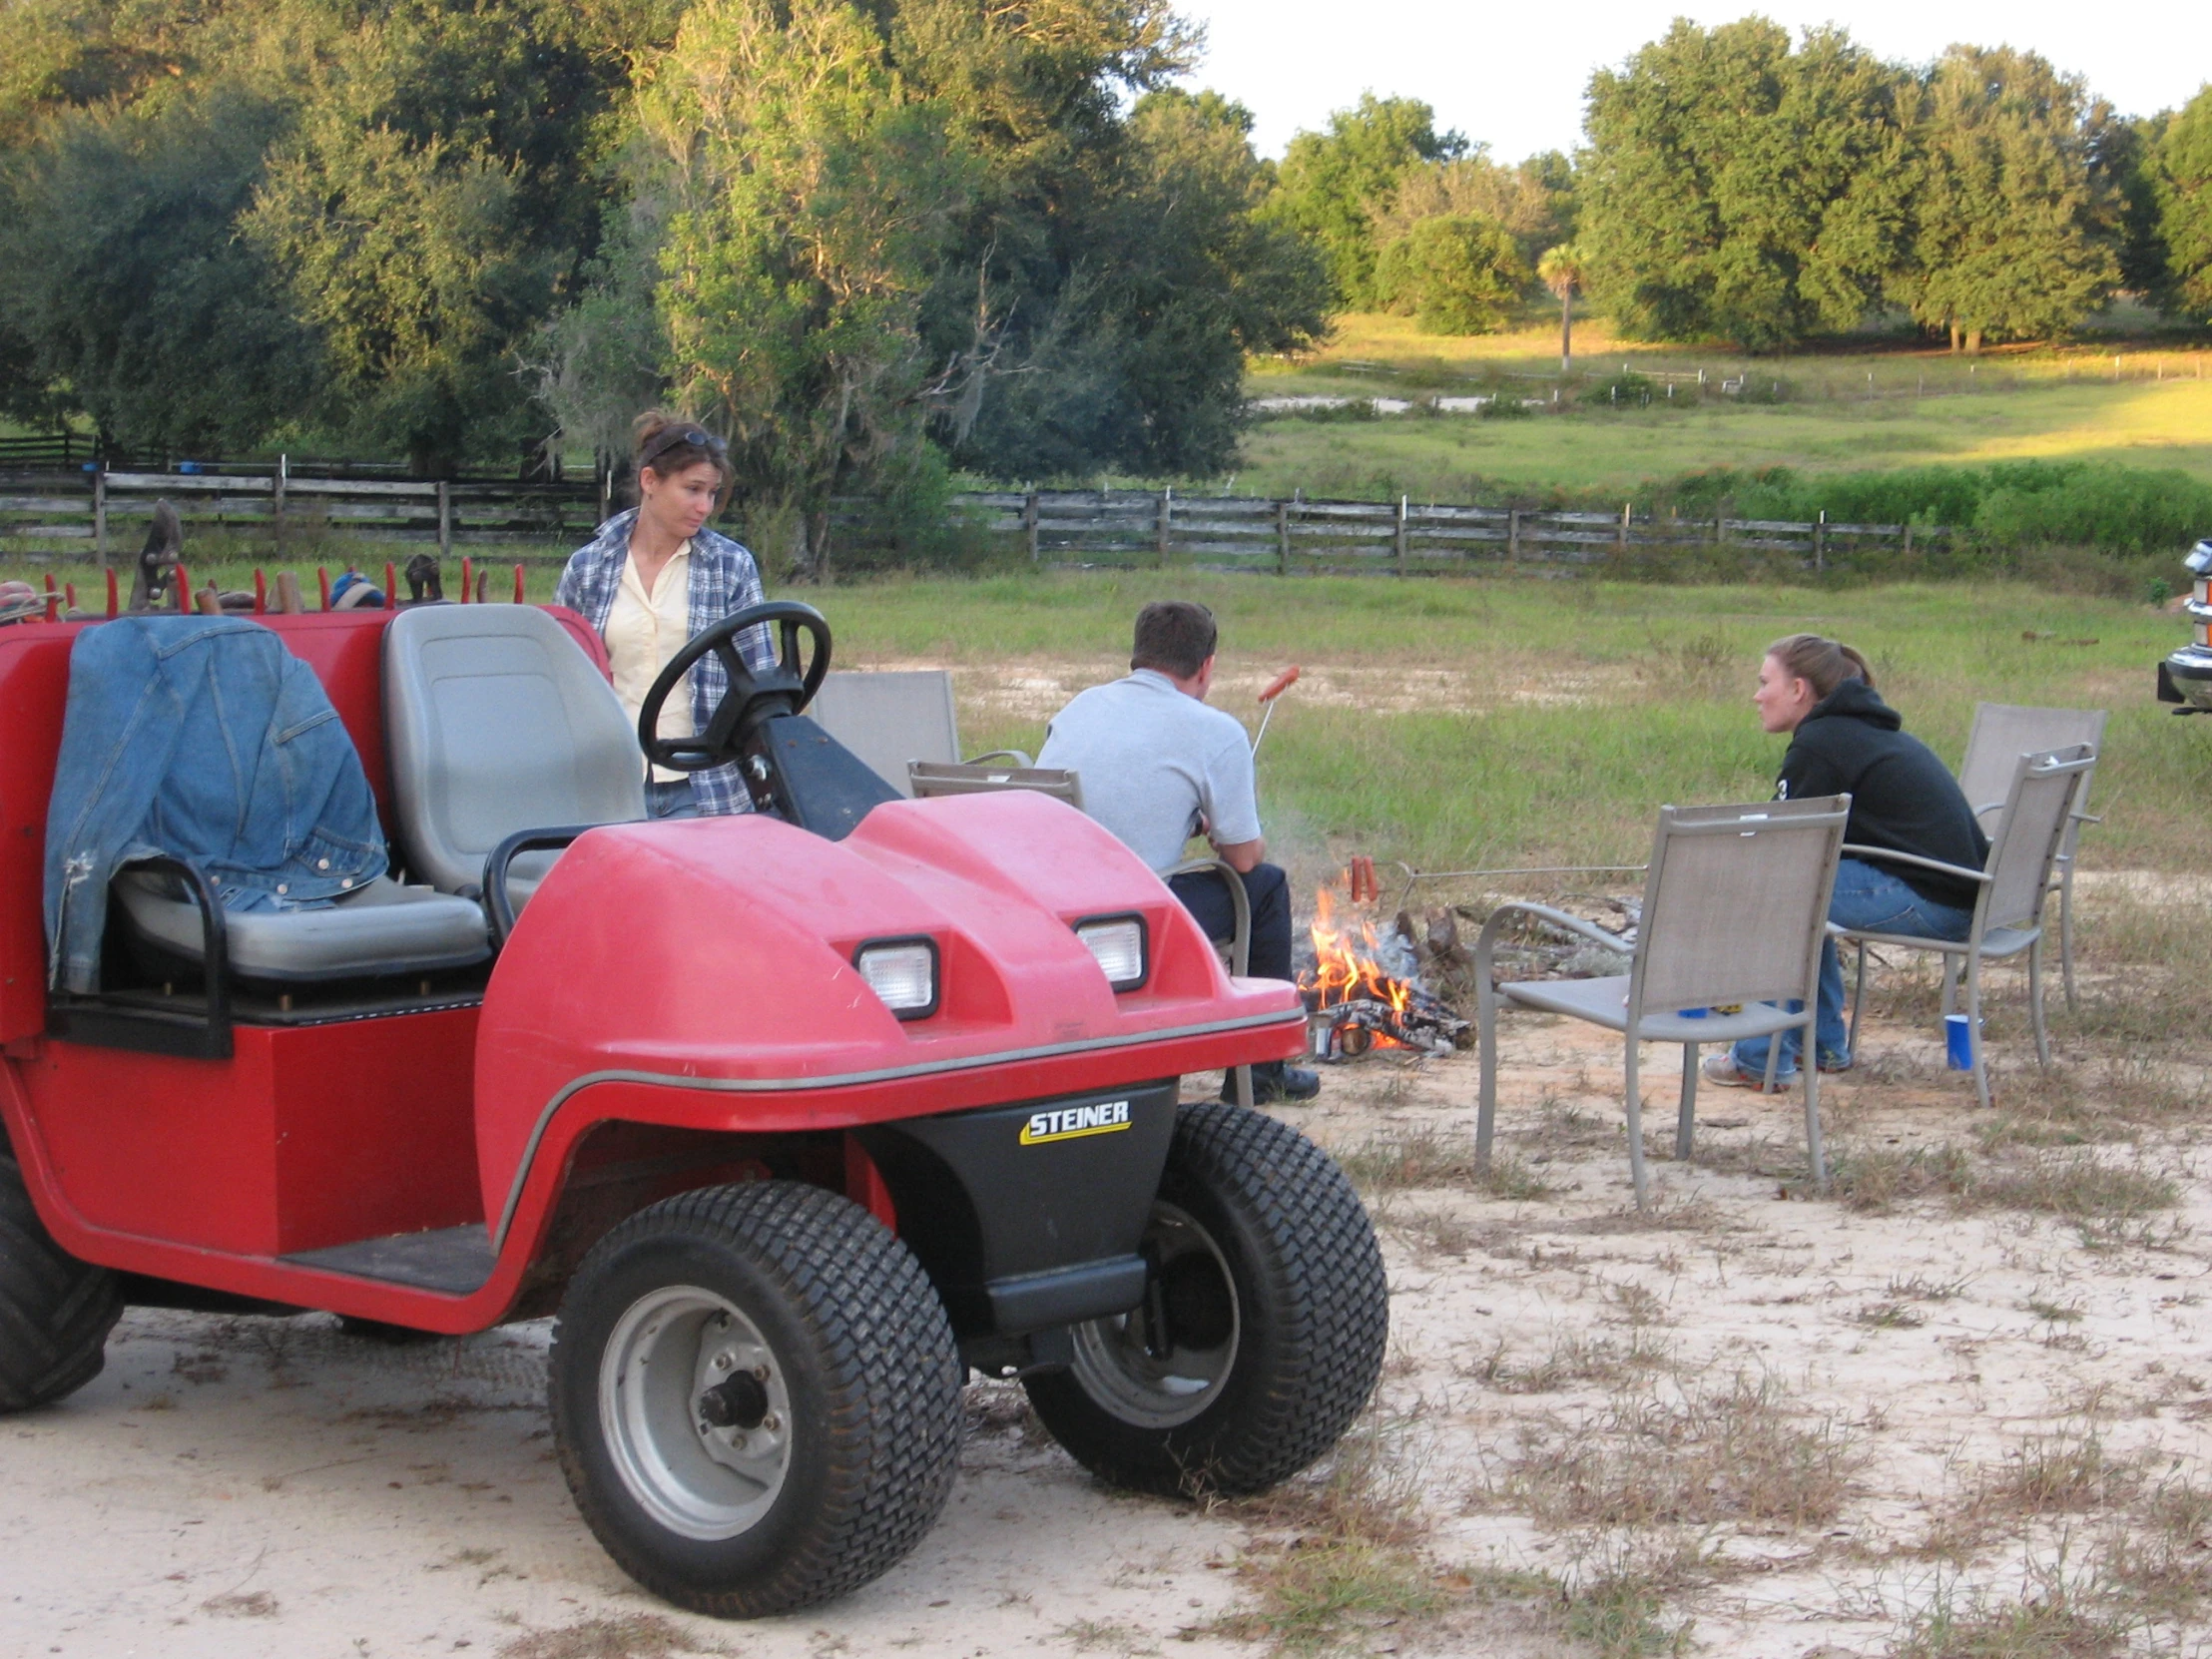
382,927
496,722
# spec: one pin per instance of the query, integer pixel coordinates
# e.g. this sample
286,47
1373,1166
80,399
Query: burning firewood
1367,991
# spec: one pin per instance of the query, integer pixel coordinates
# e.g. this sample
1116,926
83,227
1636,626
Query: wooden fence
1130,527
101,516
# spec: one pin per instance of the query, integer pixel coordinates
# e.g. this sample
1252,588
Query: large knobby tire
1262,1327
755,1396
55,1311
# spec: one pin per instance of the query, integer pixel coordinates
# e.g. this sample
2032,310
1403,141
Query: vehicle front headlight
1119,945
903,973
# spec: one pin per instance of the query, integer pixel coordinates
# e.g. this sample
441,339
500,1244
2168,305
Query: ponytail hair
1820,663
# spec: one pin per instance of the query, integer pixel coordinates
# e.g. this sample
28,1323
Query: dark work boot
1273,1080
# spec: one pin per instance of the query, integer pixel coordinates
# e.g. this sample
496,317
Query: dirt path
1762,1424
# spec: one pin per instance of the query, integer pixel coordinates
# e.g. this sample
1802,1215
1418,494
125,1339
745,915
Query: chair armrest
1022,761
1239,906
499,909
2086,818
215,942
1913,858
1485,943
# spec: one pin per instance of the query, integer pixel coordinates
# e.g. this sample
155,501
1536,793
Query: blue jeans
673,798
1870,897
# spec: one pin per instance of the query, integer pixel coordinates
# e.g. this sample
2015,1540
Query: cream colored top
644,630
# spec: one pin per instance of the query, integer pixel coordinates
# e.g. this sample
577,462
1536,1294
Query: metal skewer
1276,688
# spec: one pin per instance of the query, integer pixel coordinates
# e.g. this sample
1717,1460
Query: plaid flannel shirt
724,579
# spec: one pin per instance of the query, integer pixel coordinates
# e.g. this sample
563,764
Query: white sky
1514,75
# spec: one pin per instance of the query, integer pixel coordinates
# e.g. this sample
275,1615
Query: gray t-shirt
1151,760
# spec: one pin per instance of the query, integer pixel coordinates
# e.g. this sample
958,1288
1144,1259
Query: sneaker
1722,1069
1831,1064
1273,1083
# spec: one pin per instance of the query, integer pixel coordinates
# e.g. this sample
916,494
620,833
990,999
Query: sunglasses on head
676,437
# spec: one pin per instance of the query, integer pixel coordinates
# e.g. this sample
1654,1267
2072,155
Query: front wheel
755,1396
55,1311
1263,1326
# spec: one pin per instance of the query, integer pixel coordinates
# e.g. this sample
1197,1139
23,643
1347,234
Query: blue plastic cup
1957,1044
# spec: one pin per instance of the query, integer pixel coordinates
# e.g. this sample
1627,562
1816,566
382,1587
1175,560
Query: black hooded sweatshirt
1902,797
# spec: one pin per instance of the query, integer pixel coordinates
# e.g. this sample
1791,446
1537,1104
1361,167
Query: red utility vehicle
792,1118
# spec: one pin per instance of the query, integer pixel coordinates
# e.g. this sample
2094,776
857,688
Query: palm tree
1561,271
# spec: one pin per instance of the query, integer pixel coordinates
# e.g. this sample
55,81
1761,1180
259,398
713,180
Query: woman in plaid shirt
654,577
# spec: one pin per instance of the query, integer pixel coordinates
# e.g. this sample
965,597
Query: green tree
1333,185
2012,229
1534,200
1456,274
1127,349
812,197
2182,185
129,292
434,197
1734,186
1560,269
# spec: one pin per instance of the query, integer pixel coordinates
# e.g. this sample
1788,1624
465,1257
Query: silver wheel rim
666,1354
1114,1358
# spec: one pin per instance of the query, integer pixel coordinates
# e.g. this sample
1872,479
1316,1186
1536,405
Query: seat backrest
495,723
2003,731
889,718
928,780
1736,902
2028,834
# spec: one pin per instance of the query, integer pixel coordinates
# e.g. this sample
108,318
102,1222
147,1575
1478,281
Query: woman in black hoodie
1844,739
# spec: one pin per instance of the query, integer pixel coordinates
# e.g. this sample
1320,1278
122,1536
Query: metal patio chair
2001,734
891,717
927,779
2014,886
1735,909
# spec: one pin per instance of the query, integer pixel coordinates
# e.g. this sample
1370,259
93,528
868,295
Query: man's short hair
1174,635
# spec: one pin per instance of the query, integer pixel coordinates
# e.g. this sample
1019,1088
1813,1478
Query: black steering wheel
752,697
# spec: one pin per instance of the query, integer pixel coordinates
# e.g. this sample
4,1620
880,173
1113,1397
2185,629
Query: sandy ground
241,1488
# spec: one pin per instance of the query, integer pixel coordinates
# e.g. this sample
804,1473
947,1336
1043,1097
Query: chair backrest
495,723
2003,731
1736,902
931,778
2028,836
889,718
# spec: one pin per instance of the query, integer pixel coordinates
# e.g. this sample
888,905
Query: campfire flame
1346,966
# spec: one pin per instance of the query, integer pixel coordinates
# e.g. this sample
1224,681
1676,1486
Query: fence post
1720,529
1159,537
1512,533
1282,538
1620,536
276,499
445,519
1400,539
1908,539
100,509
1029,524
1820,542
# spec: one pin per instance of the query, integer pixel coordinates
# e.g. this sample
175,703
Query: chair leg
1685,1120
1485,1116
1951,986
1774,1062
2065,934
1240,1078
1635,1133
2035,1002
1973,1031
1857,1001
1814,1152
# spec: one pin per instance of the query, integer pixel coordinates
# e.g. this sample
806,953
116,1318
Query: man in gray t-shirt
1158,767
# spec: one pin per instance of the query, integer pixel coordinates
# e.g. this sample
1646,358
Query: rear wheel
1263,1326
755,1396
55,1311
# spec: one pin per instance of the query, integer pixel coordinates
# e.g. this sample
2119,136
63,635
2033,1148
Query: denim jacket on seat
204,738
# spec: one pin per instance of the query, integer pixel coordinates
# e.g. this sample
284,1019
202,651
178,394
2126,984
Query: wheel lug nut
771,1422
721,1362
760,1373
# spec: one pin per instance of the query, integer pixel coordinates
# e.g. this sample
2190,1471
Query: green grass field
1519,721
1918,407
